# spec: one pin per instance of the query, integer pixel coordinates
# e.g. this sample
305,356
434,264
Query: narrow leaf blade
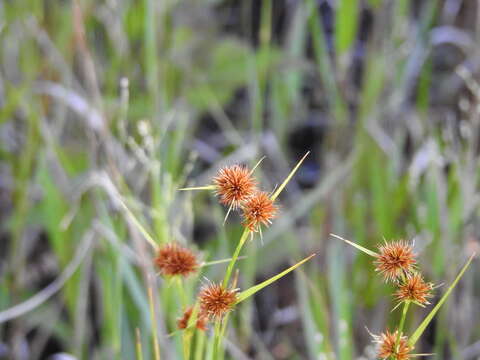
359,247
249,292
216,262
346,24
289,177
207,187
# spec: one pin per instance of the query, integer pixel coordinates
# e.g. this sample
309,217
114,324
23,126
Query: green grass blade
206,187
139,225
421,328
257,164
216,262
156,347
359,247
346,25
289,177
249,292
138,344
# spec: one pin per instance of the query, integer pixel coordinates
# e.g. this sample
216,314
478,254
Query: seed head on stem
414,289
258,210
173,259
388,348
216,300
395,259
201,323
234,185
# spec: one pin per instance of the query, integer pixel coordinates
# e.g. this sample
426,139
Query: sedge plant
396,262
237,189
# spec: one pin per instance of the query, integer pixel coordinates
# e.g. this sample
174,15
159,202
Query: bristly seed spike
387,348
395,259
216,301
234,185
258,210
173,259
414,289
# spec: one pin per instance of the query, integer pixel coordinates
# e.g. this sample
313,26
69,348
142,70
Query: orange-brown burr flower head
174,259
216,300
394,259
201,323
387,346
415,289
182,322
234,185
258,210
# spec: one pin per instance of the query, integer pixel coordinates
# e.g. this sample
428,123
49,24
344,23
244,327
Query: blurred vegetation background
107,107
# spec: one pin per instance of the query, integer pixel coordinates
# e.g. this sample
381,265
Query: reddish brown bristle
173,259
258,210
394,259
415,289
234,185
201,323
387,346
182,322
216,301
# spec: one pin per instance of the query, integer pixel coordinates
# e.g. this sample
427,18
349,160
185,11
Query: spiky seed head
387,346
234,185
182,322
258,210
174,259
415,289
216,300
394,259
201,323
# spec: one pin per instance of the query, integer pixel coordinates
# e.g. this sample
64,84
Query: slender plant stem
139,225
241,242
217,339
200,345
186,343
223,329
138,343
406,305
207,187
187,333
156,347
181,291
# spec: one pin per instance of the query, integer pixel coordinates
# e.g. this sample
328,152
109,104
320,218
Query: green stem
181,291
217,339
156,347
200,345
186,343
406,305
187,333
241,242
138,344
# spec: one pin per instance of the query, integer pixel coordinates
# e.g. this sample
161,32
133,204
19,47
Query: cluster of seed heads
236,188
388,347
396,262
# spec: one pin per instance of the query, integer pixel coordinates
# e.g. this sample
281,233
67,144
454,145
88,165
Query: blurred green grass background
114,104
